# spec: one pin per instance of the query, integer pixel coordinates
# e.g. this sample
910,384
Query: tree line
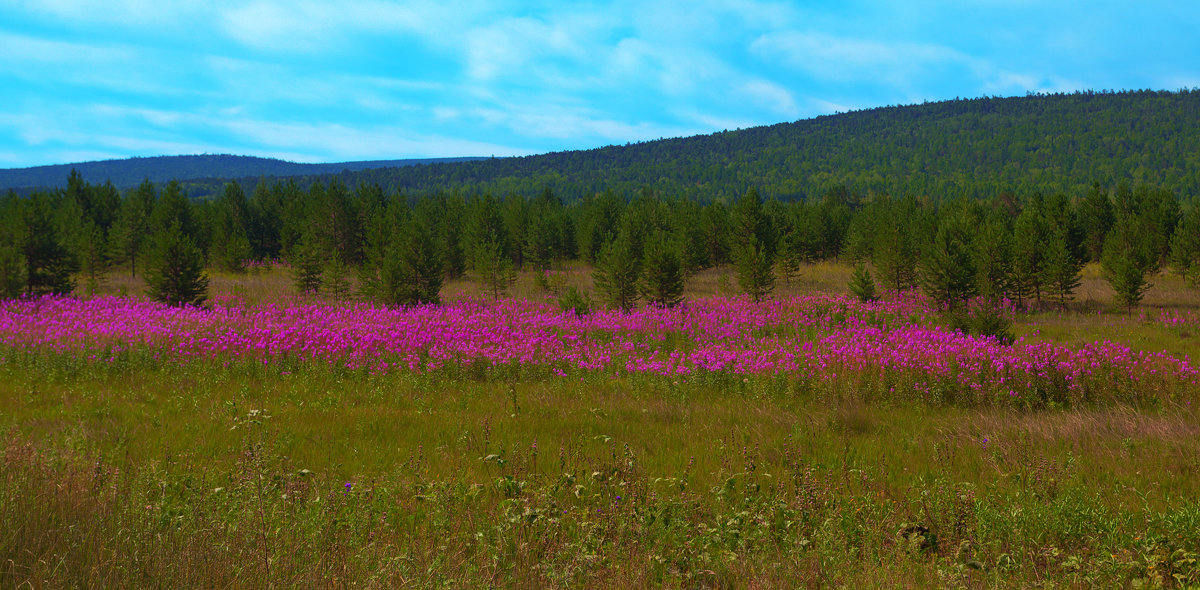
398,248
972,148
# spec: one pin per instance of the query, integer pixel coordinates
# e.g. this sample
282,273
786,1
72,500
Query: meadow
809,441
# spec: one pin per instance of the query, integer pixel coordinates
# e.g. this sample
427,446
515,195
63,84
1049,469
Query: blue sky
369,79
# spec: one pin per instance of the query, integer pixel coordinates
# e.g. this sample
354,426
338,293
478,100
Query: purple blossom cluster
820,338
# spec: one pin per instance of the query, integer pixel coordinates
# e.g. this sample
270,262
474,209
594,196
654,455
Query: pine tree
48,262
413,271
307,262
862,285
662,273
335,282
1028,252
617,273
12,272
1061,268
755,269
175,274
131,230
947,272
1185,246
1126,262
1096,212
992,256
494,268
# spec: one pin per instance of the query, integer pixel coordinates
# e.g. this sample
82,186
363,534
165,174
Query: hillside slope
131,171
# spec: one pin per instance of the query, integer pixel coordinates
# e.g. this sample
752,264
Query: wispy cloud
316,80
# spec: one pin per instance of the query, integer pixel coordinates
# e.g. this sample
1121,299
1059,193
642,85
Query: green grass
154,474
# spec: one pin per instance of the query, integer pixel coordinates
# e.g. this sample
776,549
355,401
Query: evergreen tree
13,274
1096,211
494,268
862,285
1028,252
617,273
308,262
48,262
1061,268
662,273
755,269
892,244
414,268
131,230
1185,246
1126,262
947,270
335,279
175,274
992,256
230,244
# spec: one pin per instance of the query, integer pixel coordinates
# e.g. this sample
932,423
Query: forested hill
978,147
130,172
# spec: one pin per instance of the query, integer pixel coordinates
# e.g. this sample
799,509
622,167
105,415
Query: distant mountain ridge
129,172
981,147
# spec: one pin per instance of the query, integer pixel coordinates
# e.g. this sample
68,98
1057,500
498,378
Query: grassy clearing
216,474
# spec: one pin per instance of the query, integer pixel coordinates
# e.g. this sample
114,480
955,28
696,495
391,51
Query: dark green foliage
493,267
1061,269
861,284
413,272
887,233
755,270
48,261
1185,246
947,269
307,260
128,172
753,244
130,232
992,256
335,282
1028,253
13,273
976,148
229,247
662,273
175,273
982,320
1096,213
1127,260
576,302
617,273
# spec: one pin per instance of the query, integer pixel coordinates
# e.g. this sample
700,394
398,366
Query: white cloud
840,58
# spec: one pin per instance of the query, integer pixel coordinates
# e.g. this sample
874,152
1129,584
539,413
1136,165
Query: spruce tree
335,282
1061,268
662,273
617,273
862,285
755,272
992,256
1126,262
175,273
494,268
308,263
12,272
413,270
1028,252
947,271
48,262
1185,246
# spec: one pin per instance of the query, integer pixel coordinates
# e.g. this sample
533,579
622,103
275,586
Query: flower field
878,348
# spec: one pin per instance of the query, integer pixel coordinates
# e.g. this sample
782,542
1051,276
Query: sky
311,81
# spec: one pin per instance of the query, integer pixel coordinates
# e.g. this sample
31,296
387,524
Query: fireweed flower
821,338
